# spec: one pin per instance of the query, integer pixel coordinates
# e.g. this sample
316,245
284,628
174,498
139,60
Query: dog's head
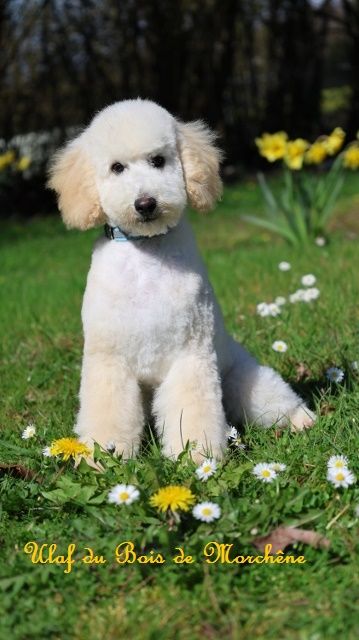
136,167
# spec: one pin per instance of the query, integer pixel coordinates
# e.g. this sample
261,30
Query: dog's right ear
73,178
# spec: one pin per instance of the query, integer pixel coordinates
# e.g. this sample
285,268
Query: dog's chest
155,293
148,306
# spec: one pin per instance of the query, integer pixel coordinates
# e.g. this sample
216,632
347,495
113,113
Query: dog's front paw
302,418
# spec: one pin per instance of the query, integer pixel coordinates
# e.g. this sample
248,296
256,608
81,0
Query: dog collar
116,233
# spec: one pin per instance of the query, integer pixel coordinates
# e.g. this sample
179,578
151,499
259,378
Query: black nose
145,205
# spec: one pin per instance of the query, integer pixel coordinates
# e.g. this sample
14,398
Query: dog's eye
117,167
158,162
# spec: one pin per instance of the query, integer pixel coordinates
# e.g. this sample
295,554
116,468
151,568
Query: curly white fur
151,321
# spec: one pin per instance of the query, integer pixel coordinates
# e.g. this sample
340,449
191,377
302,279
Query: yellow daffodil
316,153
295,153
6,159
173,497
351,157
23,163
272,146
334,141
69,448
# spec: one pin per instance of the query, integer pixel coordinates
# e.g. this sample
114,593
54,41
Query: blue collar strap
116,233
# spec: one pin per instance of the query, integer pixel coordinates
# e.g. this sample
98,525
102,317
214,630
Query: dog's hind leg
255,393
111,412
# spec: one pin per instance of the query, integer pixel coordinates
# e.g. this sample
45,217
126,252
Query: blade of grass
272,226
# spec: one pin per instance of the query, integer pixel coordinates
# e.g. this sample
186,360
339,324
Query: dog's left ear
200,161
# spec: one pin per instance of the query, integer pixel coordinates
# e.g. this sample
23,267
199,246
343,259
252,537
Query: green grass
43,271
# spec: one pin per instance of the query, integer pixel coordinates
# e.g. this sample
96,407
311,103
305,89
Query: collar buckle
115,233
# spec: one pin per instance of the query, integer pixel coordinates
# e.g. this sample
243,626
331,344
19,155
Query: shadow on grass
320,392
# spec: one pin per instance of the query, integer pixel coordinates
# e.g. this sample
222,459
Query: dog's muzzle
146,206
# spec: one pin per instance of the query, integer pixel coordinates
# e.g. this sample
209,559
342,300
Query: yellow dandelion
23,163
6,159
334,141
295,151
173,497
69,448
272,146
316,153
351,157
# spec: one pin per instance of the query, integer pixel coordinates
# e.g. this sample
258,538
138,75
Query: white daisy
337,462
284,266
278,466
123,494
320,241
268,309
280,301
311,294
47,452
334,374
274,309
235,438
206,511
340,477
297,296
308,280
279,346
232,433
207,469
264,471
262,309
29,432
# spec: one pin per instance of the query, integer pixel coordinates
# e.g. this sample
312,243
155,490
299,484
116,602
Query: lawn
43,271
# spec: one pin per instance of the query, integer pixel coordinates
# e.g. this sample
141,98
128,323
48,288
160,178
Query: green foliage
304,206
41,285
336,99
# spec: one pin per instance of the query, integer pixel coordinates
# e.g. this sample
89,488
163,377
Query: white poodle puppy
153,328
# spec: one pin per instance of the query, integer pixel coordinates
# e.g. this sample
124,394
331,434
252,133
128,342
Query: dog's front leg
110,403
188,407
